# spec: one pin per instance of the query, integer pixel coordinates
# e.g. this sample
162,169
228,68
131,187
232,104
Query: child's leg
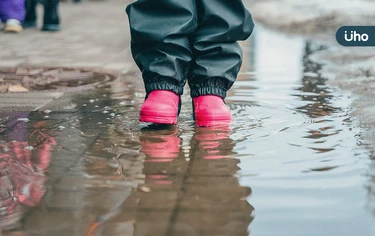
31,14
12,9
160,43
51,20
218,56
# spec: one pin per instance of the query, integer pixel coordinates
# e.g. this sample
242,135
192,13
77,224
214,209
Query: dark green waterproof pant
195,40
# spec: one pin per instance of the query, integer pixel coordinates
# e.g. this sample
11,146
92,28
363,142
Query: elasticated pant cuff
208,91
164,85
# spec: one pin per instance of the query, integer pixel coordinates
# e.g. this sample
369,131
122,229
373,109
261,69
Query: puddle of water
288,165
304,167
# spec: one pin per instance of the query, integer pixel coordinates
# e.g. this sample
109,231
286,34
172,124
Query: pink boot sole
172,120
204,122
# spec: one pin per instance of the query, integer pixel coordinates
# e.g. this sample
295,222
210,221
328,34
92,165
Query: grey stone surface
94,34
26,101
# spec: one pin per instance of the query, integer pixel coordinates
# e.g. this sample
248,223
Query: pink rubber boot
210,110
160,107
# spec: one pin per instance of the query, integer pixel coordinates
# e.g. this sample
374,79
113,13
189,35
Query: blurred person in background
12,13
51,19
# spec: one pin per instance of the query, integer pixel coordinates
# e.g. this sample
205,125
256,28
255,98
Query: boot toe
160,110
211,111
163,114
209,117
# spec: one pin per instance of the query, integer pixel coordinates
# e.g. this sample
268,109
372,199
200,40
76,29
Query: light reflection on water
304,167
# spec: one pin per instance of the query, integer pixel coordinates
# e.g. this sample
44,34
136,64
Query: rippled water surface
290,163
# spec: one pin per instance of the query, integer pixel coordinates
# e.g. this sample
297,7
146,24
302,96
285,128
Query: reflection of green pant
176,40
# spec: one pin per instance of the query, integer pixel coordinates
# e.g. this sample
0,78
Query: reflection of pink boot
211,110
214,142
160,145
160,107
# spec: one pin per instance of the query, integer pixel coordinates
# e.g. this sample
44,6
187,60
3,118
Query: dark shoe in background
75,1
31,15
51,21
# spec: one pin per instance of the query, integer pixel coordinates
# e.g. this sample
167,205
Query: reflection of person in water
24,157
214,203
191,192
211,201
313,83
162,148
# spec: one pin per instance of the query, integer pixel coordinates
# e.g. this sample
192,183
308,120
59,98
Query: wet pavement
25,79
78,44
290,164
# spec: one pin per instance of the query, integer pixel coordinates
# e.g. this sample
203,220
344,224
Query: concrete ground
95,35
